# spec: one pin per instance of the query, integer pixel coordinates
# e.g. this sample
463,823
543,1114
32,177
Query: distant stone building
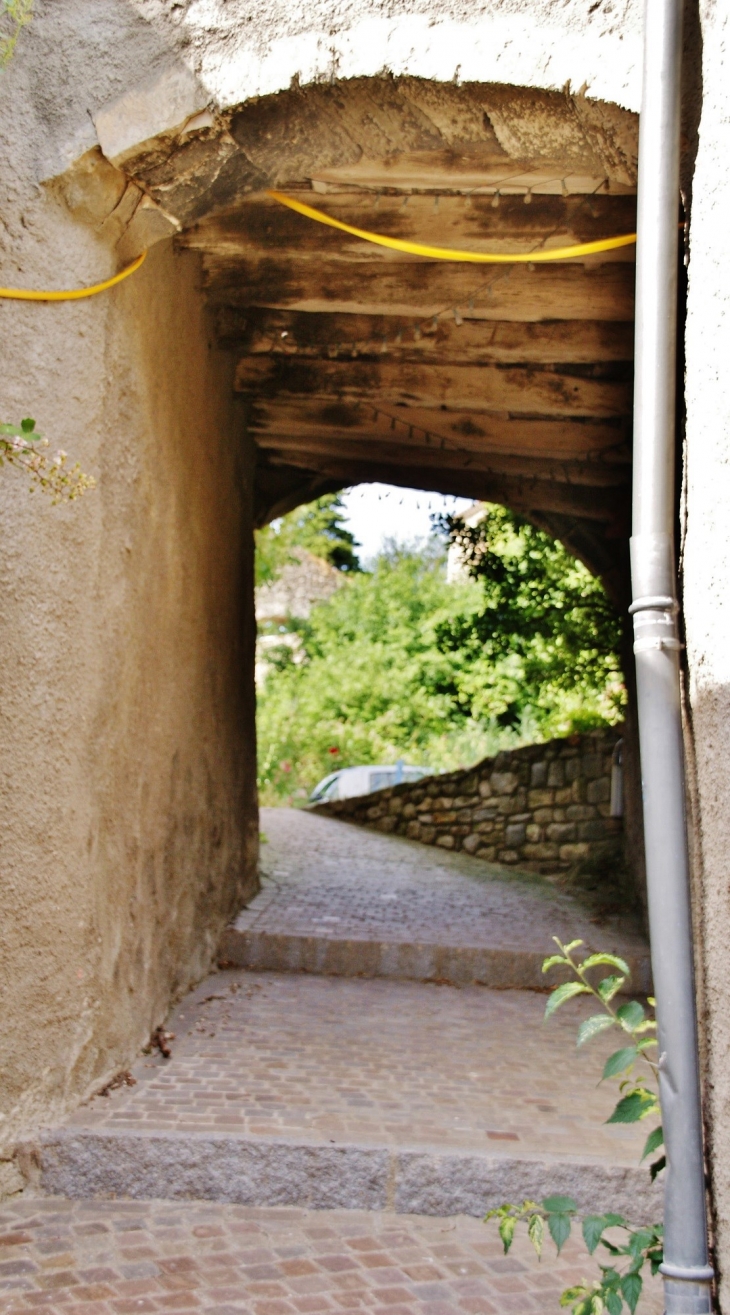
290,597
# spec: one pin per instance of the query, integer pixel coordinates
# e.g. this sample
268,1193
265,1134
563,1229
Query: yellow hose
445,253
73,294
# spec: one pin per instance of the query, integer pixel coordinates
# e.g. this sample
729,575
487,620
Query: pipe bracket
643,645
655,603
687,1273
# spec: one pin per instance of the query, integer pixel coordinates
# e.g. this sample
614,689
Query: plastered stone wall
542,808
129,826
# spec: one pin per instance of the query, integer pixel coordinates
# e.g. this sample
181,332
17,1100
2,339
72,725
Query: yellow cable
74,294
445,253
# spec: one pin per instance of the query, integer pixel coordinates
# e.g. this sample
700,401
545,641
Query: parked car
349,782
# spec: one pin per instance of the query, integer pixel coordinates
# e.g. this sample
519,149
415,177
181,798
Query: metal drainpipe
687,1273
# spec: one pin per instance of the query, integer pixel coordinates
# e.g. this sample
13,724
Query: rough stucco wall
707,590
129,829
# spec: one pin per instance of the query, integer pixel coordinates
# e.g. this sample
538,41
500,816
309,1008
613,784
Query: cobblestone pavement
376,1062
329,877
130,1258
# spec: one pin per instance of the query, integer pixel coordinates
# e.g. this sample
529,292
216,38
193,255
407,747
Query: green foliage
629,1248
369,680
318,527
14,16
544,628
22,446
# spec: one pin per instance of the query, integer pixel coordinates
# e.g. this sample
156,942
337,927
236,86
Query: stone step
456,965
341,901
373,1095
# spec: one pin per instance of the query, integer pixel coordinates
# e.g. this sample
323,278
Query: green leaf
561,1205
609,987
568,949
552,961
563,993
633,1107
619,1061
507,1231
591,1027
593,1226
653,1142
559,1226
657,1166
536,1233
610,960
614,1304
631,1015
572,1294
27,425
631,1286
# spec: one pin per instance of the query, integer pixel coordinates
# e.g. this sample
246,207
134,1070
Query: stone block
508,856
485,789
504,783
572,769
556,774
409,810
533,833
488,853
445,841
543,850
578,790
509,804
571,853
559,815
564,795
540,798
149,224
386,824
484,814
373,813
562,832
485,828
580,812
466,801
595,830
542,815
464,815
515,834
425,805
163,103
598,792
426,819
471,843
591,766
428,834
444,818
538,774
395,805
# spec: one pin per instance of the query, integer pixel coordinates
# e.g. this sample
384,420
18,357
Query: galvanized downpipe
686,1270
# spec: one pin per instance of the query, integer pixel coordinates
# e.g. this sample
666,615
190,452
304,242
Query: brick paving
129,1258
375,1062
327,884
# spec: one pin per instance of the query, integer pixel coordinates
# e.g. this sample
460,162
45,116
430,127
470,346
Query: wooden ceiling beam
463,387
538,436
423,289
587,474
259,331
609,506
261,226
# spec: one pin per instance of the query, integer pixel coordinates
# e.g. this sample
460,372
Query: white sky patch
376,512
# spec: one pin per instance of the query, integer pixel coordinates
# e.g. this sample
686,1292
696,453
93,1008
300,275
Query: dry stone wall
543,808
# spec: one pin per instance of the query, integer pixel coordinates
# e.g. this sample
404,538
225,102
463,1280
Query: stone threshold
499,968
147,1165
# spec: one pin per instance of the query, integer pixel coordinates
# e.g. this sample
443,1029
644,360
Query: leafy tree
369,682
319,527
546,628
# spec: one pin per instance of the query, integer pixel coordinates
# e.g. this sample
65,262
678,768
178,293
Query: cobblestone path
130,1258
327,1142
339,899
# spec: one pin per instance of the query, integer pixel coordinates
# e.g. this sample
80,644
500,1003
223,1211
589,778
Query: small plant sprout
14,15
22,446
629,1247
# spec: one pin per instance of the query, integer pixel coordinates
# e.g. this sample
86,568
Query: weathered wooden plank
414,451
607,505
330,336
260,226
538,436
464,387
424,289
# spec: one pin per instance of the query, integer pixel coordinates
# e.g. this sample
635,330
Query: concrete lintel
162,103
